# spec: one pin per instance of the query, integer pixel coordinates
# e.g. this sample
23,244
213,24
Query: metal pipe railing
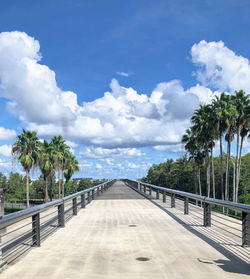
36,228
207,202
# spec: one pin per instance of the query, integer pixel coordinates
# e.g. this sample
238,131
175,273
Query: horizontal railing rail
16,240
205,201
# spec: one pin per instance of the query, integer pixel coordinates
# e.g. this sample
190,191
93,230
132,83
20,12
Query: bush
9,209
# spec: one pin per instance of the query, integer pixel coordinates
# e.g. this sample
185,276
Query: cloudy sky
118,79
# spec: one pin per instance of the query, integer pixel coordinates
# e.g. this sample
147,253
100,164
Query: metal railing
17,235
205,202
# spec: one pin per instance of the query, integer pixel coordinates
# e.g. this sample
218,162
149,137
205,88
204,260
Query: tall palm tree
46,164
199,160
241,101
220,107
71,166
66,158
202,128
190,145
27,149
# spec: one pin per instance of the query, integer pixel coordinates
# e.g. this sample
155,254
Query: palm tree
46,164
66,157
71,166
241,101
27,148
199,160
59,148
204,133
220,107
190,146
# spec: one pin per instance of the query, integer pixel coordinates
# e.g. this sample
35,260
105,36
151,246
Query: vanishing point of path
107,237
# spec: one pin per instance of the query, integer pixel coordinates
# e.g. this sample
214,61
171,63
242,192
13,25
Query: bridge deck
101,243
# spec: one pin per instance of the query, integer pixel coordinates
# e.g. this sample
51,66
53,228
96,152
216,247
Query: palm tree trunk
59,184
27,189
241,146
199,179
237,162
46,189
62,185
221,168
208,173
227,170
194,175
212,164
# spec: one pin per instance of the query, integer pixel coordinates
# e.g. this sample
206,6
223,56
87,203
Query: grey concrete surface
101,243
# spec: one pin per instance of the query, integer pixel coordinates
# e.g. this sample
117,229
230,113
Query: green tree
46,164
27,149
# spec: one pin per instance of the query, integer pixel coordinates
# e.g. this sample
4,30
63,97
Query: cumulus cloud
7,134
30,86
102,153
5,150
123,118
220,67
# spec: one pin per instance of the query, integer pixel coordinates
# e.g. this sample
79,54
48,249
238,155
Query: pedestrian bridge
125,229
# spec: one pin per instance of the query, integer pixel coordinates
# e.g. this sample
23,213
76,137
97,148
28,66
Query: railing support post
207,215
2,263
74,202
164,196
36,230
98,191
93,194
157,194
89,197
186,206
245,229
172,200
140,187
83,201
61,218
144,189
150,191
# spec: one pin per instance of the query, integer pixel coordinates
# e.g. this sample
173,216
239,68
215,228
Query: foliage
84,183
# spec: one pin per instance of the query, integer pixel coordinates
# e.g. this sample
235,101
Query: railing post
83,201
93,194
172,200
186,206
89,197
144,189
74,202
150,190
61,218
157,194
207,215
36,230
98,193
164,196
245,229
102,188
2,263
138,185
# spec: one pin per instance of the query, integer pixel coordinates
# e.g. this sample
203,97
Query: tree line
227,117
49,156
178,174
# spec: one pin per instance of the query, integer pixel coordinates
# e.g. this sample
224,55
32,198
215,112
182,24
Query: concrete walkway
107,237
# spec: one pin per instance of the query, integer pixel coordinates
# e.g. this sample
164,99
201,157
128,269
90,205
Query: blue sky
156,61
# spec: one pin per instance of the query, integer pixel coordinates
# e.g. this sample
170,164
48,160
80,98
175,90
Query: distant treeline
179,175
15,187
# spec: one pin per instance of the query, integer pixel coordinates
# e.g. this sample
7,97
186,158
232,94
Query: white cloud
98,166
7,134
123,118
123,74
220,67
5,150
100,153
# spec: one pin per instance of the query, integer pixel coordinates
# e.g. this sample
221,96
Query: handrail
244,208
232,205
15,217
